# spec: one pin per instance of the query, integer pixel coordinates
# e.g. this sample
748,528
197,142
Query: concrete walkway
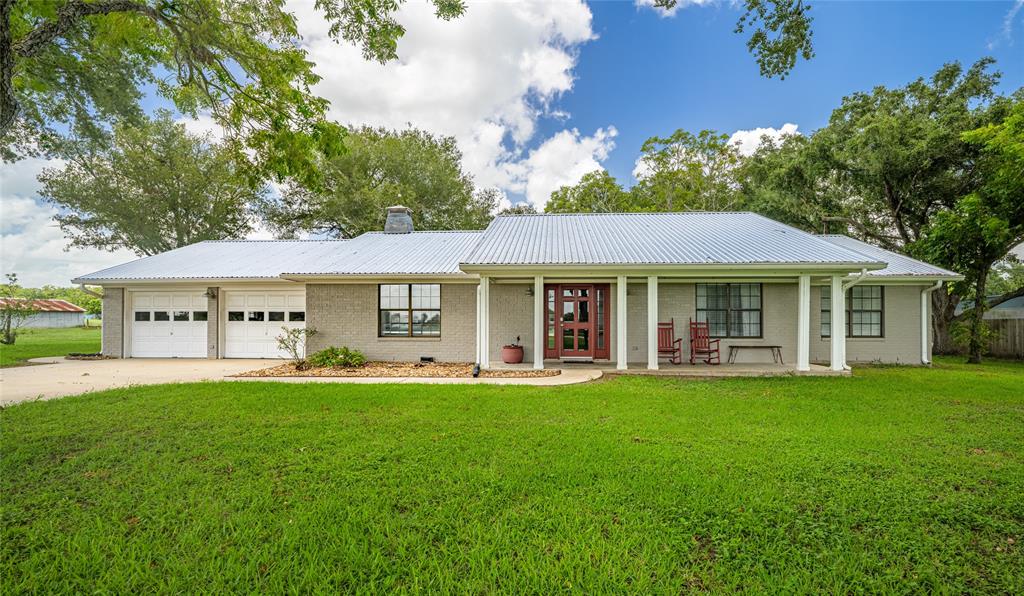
48,378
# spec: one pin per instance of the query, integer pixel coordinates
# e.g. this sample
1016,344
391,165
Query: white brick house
571,287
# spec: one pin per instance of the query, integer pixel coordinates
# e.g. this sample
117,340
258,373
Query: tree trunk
943,310
974,345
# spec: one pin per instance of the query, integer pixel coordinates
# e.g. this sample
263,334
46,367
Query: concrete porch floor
699,370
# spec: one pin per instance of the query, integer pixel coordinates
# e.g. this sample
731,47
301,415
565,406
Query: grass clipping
446,370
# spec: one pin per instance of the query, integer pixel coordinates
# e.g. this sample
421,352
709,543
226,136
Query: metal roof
221,259
46,305
897,265
378,253
682,238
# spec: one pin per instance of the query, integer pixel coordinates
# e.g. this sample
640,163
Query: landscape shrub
334,357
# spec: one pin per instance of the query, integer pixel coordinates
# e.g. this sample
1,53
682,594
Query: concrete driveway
57,377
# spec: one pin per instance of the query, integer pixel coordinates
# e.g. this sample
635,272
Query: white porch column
838,341
803,324
652,322
539,322
620,323
485,322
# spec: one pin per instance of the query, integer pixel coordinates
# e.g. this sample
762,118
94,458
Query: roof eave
639,269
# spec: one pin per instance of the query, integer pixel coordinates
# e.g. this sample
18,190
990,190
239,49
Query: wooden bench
776,352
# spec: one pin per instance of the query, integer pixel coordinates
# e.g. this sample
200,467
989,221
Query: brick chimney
399,220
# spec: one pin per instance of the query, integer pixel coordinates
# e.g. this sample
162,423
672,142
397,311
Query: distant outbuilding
52,313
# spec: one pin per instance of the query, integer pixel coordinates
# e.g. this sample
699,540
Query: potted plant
512,353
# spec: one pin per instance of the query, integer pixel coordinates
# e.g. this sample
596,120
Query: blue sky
648,75
539,93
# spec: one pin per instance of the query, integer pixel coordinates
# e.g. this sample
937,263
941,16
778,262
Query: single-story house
51,313
571,286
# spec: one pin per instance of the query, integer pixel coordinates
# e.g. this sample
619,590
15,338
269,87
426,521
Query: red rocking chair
668,346
701,344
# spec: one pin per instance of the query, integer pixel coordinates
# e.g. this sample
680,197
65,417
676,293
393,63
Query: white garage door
255,320
168,325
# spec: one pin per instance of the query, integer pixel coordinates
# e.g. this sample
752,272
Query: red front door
577,321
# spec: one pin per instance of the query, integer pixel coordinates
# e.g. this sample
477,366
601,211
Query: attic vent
399,220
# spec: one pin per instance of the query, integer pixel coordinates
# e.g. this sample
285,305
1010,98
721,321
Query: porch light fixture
529,290
211,293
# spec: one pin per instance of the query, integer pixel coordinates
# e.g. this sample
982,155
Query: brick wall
511,315
346,315
113,322
213,323
902,322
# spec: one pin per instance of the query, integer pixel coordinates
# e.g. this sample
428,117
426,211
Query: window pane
716,296
716,320
161,315
199,315
236,315
583,340
583,311
826,311
181,315
551,318
142,316
745,296
426,322
297,316
568,311
426,296
275,316
568,339
745,323
256,316
394,296
394,322
600,319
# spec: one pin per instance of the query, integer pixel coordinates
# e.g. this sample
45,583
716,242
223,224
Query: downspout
925,322
846,286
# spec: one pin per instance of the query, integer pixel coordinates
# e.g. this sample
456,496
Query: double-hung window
865,311
409,310
730,310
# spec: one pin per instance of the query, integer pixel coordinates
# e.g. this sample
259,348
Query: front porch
611,323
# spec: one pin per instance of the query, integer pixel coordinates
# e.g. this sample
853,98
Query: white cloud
560,161
670,12
203,125
1006,32
484,78
747,141
31,244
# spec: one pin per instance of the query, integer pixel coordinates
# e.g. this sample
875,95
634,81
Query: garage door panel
255,335
164,325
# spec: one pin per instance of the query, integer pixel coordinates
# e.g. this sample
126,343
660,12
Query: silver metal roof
897,265
377,253
686,238
224,259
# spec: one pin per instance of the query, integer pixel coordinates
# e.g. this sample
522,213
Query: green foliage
41,343
14,310
334,357
964,335
380,168
154,188
897,480
685,172
780,33
76,67
292,341
899,154
596,192
984,225
1006,276
519,209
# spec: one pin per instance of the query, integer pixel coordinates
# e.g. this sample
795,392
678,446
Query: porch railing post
539,321
803,325
620,323
652,322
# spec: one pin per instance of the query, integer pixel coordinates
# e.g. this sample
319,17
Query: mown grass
895,480
37,343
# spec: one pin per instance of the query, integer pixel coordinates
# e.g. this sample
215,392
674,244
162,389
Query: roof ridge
694,212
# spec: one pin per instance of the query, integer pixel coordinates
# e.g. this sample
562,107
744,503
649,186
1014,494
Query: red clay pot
511,354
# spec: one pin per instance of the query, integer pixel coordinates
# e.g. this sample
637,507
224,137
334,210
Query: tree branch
990,304
70,15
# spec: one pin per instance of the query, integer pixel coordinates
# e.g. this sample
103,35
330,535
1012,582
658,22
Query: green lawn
37,343
895,480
